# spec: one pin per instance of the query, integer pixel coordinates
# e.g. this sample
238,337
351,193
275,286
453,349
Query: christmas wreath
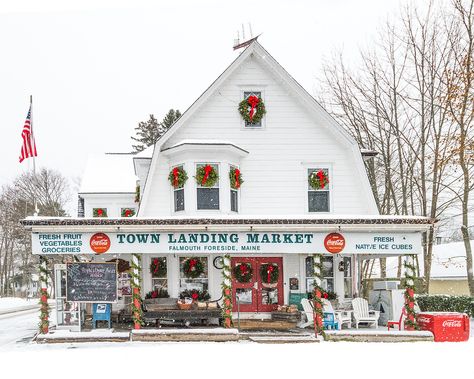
252,109
269,273
235,178
128,212
193,268
206,176
157,294
177,177
318,180
243,272
195,294
100,212
158,267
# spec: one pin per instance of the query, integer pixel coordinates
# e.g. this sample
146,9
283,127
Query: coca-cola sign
452,324
334,243
423,320
100,243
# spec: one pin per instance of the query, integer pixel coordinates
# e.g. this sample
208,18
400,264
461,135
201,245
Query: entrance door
257,295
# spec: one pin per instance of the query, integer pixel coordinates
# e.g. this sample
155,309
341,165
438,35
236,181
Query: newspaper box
445,326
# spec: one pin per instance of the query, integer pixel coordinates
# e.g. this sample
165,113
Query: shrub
445,303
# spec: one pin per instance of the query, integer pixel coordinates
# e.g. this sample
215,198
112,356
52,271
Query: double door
263,292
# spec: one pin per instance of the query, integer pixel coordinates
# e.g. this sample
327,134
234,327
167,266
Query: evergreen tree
148,132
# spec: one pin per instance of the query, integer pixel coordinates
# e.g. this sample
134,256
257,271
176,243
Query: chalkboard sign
91,282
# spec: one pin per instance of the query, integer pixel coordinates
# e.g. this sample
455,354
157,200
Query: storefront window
200,283
327,282
159,273
347,277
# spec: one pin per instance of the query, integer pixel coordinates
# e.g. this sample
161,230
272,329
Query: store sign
221,243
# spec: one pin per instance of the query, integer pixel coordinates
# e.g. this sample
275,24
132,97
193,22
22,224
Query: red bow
128,213
195,295
253,102
156,262
100,212
322,177
237,174
192,263
269,273
243,269
207,171
175,177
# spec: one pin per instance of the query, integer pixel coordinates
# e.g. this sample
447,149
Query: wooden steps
250,324
186,335
278,339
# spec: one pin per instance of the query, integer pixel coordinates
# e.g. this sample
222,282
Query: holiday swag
243,272
158,267
318,180
177,177
206,176
193,268
235,178
252,109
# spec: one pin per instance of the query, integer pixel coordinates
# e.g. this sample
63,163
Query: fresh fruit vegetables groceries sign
219,243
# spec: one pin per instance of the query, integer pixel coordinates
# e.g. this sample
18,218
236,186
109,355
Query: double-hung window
258,94
318,199
327,282
208,197
234,197
178,194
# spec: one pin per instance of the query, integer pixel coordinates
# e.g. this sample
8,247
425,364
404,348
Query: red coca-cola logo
100,243
451,323
334,243
423,320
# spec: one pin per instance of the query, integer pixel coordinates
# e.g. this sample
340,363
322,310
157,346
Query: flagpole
34,155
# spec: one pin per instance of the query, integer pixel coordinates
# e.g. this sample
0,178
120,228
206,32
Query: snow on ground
243,360
7,303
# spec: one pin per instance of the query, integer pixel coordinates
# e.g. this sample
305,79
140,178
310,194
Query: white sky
97,68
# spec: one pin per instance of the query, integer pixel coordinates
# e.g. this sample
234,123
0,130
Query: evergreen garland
137,313
227,292
160,293
235,178
206,176
318,180
178,177
195,294
243,272
410,322
317,293
137,194
193,268
158,268
127,212
44,309
269,273
245,107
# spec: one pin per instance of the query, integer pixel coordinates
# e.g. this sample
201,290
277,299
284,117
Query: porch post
44,310
318,303
227,292
410,323
136,291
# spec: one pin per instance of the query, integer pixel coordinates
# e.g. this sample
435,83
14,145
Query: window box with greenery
99,212
207,181
318,190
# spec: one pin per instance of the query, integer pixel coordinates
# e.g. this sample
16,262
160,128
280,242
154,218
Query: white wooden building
275,217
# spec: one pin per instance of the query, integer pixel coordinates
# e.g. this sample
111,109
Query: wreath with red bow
206,176
158,267
243,272
235,178
177,177
193,268
128,212
269,272
318,180
252,109
100,212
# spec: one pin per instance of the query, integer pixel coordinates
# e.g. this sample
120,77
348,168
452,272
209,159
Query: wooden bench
168,310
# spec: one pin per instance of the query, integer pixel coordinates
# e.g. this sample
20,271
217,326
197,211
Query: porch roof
306,222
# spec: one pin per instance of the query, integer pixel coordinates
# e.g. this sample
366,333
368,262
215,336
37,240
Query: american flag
28,148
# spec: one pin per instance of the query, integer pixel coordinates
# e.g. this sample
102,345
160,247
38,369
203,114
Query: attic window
247,94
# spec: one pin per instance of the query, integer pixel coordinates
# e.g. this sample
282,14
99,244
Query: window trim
257,88
219,170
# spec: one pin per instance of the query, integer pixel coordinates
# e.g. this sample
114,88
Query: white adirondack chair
341,316
308,311
362,313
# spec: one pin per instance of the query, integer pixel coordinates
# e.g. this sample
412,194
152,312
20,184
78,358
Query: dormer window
208,197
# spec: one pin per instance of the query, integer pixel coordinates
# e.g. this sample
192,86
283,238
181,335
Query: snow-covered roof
109,173
449,261
147,153
214,143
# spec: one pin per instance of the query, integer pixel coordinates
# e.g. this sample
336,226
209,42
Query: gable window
247,94
178,196
318,199
208,197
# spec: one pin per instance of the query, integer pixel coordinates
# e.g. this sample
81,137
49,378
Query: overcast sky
97,68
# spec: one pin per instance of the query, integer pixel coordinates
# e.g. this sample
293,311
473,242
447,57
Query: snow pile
12,303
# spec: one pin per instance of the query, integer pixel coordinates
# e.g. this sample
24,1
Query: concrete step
283,339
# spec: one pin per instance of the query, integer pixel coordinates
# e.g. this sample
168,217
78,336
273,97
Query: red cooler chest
445,326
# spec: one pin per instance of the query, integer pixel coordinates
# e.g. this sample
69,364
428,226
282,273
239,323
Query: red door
258,294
